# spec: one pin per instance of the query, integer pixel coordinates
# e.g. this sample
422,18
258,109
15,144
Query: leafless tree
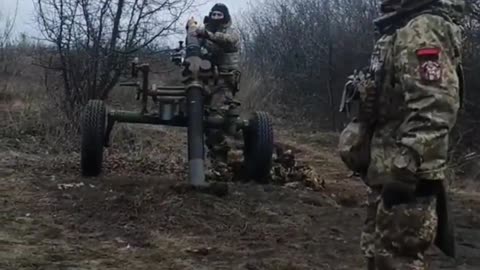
311,45
8,23
95,39
7,54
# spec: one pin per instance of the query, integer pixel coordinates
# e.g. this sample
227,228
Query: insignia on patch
430,69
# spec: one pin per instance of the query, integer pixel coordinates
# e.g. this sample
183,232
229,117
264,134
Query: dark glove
396,192
202,33
402,185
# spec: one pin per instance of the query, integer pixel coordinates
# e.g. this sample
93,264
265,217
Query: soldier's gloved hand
401,185
396,192
202,33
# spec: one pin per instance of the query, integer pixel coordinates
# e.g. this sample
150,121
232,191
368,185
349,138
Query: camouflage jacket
397,12
415,64
223,44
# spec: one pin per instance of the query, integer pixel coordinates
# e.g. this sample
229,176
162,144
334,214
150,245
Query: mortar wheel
93,137
258,146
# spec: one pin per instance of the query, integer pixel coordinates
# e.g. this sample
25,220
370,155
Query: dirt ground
133,217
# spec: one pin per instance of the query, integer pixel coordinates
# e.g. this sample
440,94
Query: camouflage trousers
217,140
397,238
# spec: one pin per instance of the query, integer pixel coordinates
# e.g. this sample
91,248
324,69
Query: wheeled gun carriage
181,106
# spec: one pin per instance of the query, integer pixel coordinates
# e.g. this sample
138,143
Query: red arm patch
430,69
428,53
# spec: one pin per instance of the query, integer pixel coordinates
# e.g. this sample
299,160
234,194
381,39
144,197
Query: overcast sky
26,24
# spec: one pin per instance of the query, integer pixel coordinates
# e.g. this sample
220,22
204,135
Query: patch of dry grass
31,120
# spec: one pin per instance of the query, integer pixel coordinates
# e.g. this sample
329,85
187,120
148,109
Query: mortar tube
195,132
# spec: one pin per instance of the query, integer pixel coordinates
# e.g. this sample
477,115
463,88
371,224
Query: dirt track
132,218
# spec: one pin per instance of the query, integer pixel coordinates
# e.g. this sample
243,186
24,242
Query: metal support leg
108,131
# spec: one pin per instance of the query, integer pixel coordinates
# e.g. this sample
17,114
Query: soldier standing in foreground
409,99
222,43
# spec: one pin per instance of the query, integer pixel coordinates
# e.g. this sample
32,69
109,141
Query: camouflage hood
394,11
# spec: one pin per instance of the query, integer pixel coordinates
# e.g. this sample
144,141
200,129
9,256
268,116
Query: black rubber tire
258,146
93,137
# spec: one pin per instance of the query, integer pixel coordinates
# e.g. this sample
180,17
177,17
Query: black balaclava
226,15
387,6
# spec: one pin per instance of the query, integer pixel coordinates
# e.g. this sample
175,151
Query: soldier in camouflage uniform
417,81
222,43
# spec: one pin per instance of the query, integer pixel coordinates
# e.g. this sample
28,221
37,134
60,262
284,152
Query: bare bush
93,40
310,46
7,54
7,24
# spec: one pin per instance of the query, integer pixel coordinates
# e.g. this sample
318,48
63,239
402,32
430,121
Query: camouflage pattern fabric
418,100
353,146
414,63
368,236
404,233
452,9
284,170
398,12
224,38
397,238
223,44
216,140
